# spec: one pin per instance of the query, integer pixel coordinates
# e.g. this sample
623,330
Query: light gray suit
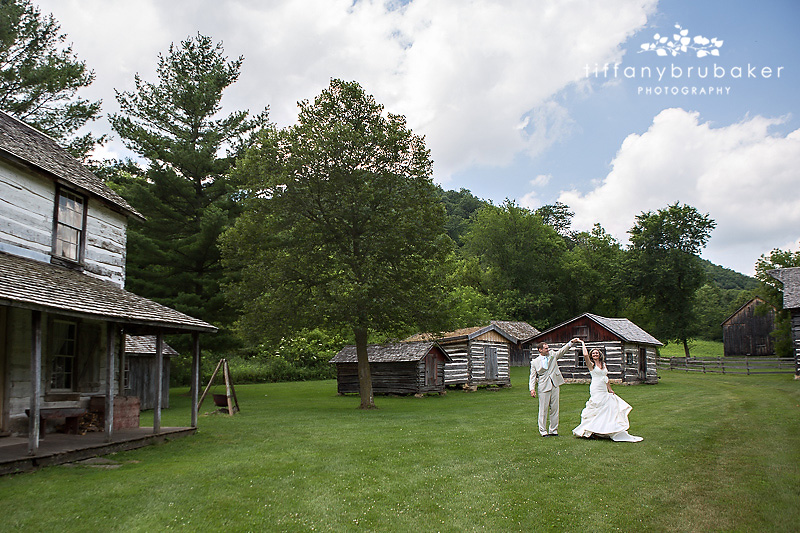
549,379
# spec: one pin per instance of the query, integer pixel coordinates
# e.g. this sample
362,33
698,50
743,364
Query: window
582,332
580,361
62,374
69,226
630,358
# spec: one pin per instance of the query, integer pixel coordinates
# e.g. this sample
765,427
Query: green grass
697,348
720,453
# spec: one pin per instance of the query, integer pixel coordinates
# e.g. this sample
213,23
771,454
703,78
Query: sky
614,108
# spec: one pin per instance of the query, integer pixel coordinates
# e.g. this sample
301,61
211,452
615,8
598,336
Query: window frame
55,356
60,227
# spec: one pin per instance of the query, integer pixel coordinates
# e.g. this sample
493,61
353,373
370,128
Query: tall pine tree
184,192
40,77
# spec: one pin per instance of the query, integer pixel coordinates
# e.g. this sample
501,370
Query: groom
545,372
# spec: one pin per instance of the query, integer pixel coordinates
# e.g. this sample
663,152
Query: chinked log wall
389,378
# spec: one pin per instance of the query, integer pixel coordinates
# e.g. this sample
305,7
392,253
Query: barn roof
459,334
46,287
790,277
30,147
621,327
398,352
756,300
521,331
146,345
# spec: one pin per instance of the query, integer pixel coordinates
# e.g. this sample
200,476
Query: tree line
332,229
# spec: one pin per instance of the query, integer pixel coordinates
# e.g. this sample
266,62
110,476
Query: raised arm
589,363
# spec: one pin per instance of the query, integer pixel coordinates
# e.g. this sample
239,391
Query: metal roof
790,277
31,284
32,147
398,352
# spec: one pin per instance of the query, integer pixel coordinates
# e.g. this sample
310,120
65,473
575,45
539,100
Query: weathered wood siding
478,358
142,380
390,378
457,372
574,368
748,333
27,207
90,366
795,317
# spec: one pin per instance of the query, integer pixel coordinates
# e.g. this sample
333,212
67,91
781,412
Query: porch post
195,375
159,377
36,382
109,414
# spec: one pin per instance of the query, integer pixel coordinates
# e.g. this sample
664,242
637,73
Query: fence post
747,365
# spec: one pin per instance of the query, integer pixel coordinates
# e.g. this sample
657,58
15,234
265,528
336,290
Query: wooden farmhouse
398,368
630,351
747,332
520,333
140,370
479,355
63,306
790,277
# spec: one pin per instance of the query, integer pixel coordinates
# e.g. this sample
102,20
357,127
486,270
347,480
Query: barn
139,370
747,332
790,277
480,355
630,351
397,368
519,332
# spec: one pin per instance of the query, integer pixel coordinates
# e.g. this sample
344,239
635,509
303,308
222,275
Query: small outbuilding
397,368
790,277
479,355
747,332
140,370
630,352
519,333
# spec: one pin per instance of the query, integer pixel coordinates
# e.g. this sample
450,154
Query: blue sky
500,91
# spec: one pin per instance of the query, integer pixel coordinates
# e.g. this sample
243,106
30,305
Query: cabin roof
621,327
790,277
31,284
521,331
146,345
398,352
459,334
32,147
757,300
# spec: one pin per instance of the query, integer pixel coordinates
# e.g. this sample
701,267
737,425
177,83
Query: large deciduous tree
344,226
185,191
772,290
40,77
663,266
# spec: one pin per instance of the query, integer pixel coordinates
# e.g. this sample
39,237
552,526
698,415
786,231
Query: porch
60,448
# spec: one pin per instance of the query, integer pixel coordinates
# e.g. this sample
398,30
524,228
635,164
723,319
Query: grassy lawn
720,453
697,348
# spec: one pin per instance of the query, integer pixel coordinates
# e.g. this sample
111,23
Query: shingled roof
146,345
521,331
621,327
41,286
399,352
459,334
790,277
31,147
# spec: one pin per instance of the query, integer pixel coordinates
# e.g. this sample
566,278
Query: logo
681,43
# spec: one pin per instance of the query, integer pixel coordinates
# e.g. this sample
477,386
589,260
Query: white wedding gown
605,414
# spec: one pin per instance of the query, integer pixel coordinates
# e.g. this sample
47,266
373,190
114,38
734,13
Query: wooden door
642,363
430,370
490,354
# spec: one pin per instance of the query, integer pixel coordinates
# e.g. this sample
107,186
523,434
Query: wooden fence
730,365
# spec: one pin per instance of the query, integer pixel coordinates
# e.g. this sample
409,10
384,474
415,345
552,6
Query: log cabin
630,352
63,305
479,355
520,333
140,370
790,278
398,368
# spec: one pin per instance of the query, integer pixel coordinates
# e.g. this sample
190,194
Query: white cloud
532,200
743,176
465,74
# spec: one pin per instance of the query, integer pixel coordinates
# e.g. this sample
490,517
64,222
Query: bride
606,414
